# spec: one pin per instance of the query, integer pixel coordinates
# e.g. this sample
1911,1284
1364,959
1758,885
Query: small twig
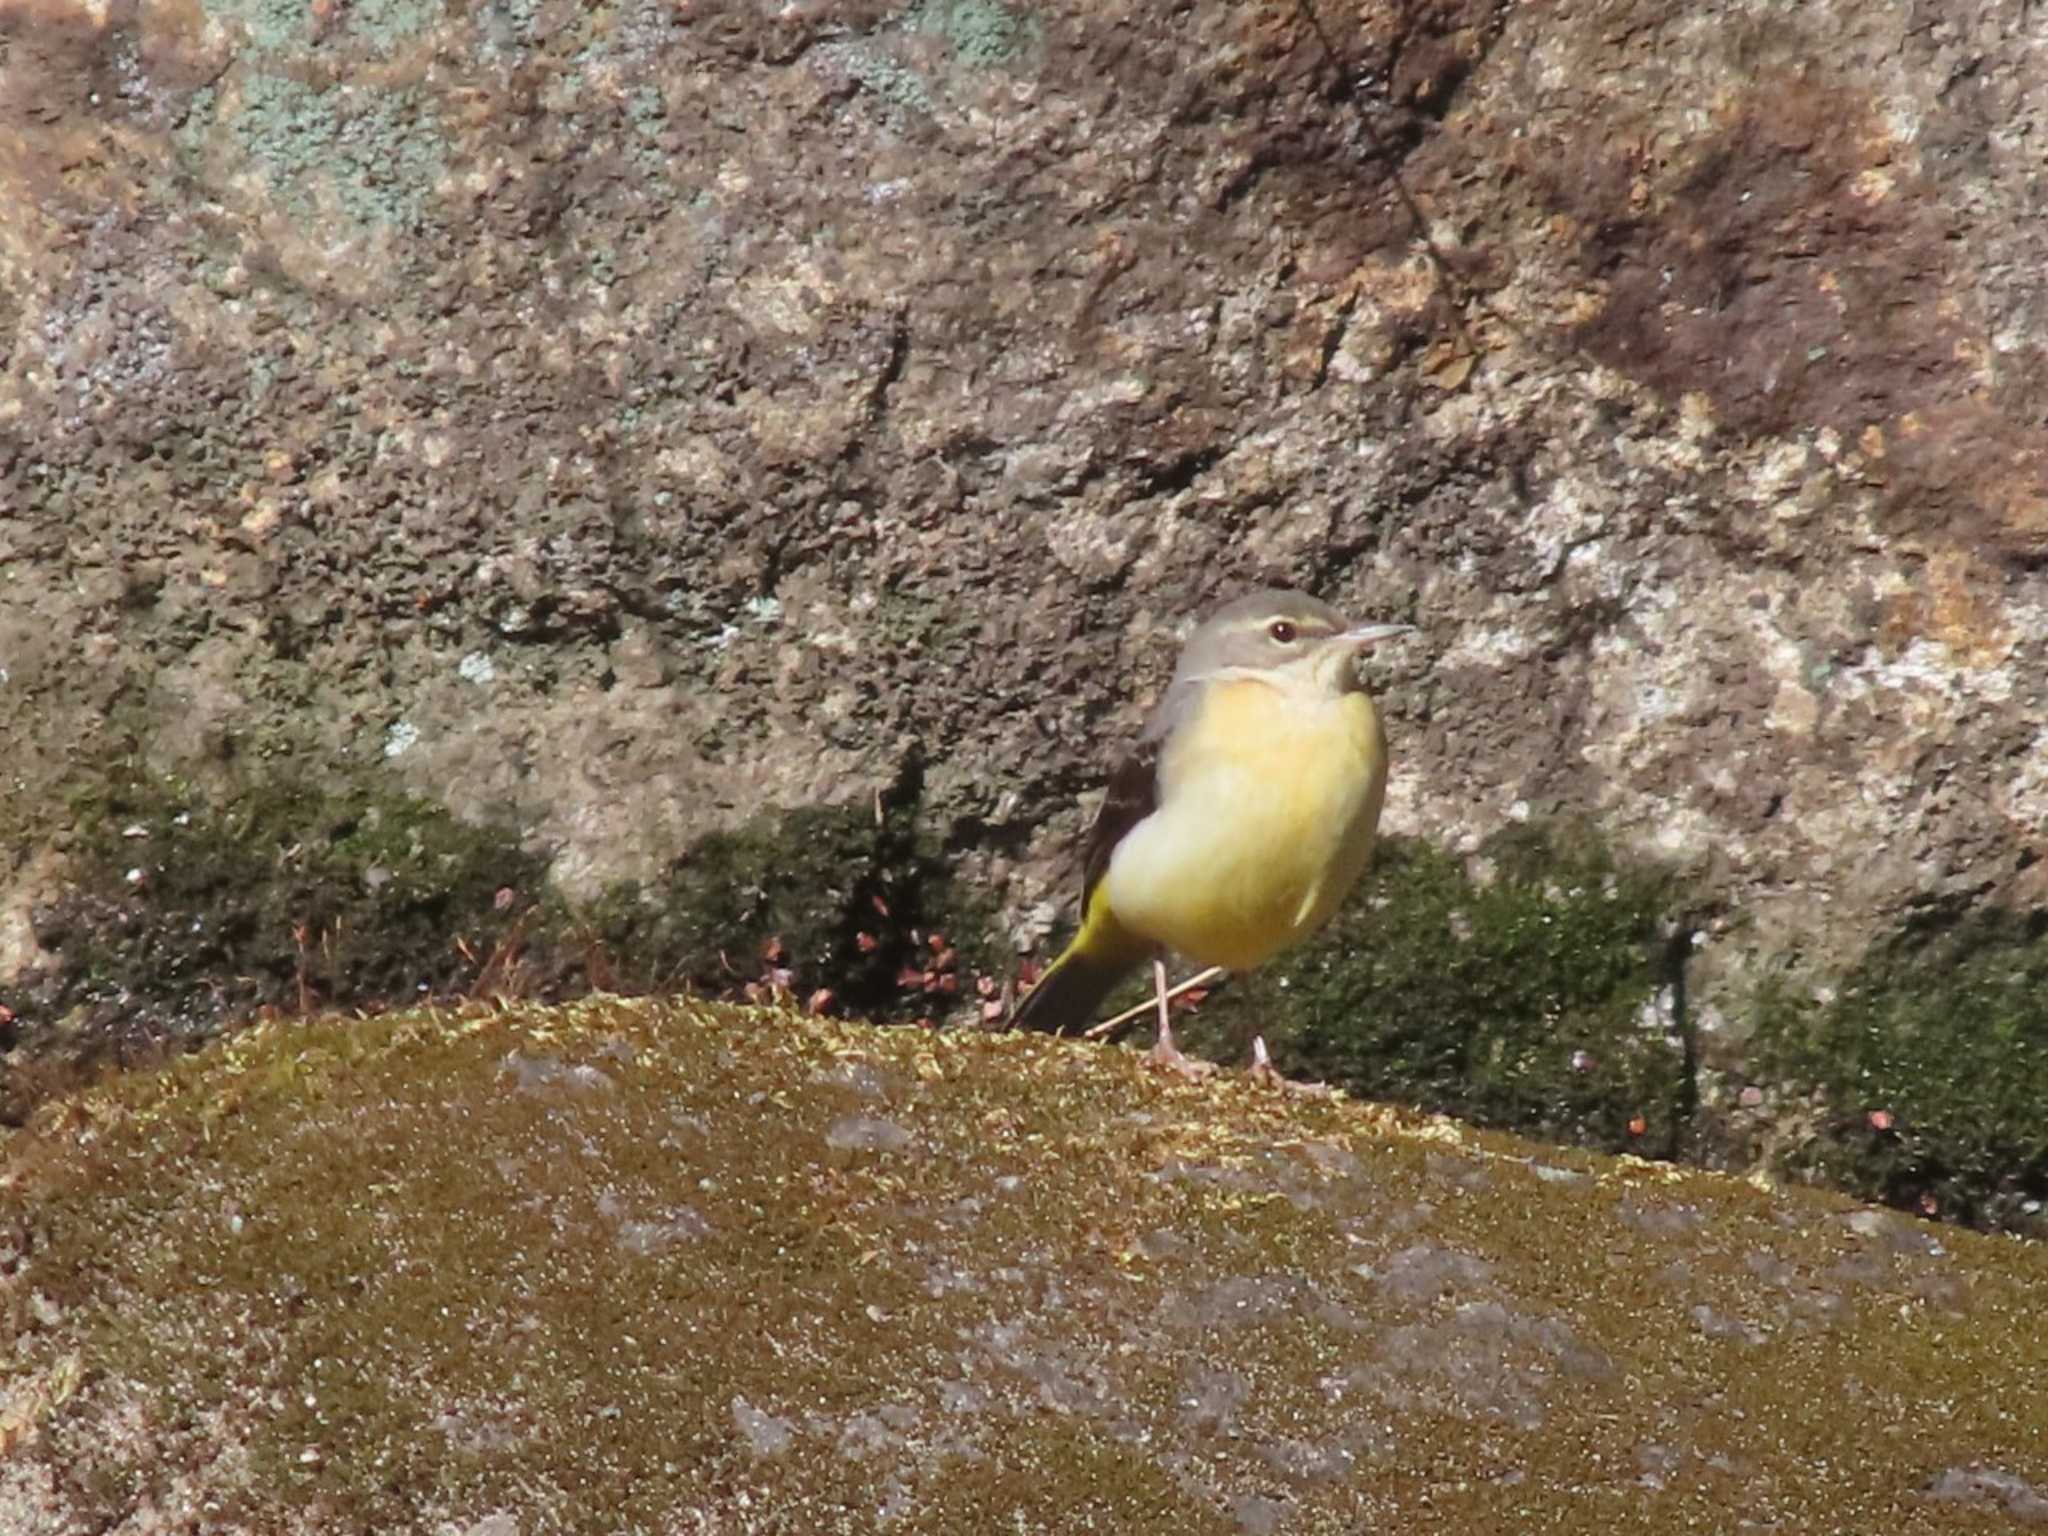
301,967
1109,1027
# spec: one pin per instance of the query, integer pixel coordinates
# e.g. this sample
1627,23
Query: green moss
1929,1061
1527,1000
185,910
858,899
374,1268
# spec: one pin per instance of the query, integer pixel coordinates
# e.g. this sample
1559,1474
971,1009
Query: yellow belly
1268,803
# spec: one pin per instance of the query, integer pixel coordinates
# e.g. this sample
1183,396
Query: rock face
749,1273
602,422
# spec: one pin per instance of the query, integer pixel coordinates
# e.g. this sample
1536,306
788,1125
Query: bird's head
1291,638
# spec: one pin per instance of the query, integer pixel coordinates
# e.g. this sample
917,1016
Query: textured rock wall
604,420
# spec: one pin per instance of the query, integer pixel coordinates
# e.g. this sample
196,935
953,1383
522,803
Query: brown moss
661,1250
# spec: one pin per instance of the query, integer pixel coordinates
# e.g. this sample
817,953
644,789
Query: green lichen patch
1929,1067
646,1265
1520,988
983,34
375,155
285,26
907,64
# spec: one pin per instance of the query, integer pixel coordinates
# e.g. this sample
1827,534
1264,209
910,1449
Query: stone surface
605,420
1072,1292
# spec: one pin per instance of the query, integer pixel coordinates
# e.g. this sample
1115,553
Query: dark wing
1133,794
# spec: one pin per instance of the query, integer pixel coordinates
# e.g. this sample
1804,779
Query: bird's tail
1070,991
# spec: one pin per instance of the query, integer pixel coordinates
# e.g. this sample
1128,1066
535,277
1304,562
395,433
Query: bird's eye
1282,631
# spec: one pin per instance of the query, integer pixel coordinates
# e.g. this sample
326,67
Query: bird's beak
1368,635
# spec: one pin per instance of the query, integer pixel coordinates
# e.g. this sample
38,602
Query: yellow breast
1268,799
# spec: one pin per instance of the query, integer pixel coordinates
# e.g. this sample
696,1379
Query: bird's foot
1262,1070
1168,1055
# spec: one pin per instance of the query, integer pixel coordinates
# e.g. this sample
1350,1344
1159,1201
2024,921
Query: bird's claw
1168,1055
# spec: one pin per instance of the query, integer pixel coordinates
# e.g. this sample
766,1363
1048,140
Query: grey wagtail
1243,818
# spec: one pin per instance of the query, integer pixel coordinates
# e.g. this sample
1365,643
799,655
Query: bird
1242,818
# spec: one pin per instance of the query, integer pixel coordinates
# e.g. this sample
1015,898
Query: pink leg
1166,1053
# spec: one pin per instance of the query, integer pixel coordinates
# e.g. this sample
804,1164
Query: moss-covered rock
1525,987
1929,1068
669,1266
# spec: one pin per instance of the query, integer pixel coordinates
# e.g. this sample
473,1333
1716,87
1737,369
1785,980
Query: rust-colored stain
1956,601
1793,266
